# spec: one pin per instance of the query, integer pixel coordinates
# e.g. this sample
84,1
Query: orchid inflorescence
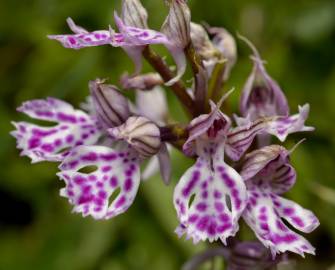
237,171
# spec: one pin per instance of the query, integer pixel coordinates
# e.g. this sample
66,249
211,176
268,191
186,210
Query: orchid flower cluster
237,174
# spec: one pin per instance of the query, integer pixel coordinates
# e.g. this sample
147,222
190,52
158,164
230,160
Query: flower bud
202,43
141,133
111,106
226,44
141,82
250,255
177,24
134,14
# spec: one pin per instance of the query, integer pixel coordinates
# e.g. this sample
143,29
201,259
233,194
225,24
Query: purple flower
268,174
90,168
219,191
261,95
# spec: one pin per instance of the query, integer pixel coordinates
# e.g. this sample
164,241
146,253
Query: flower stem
200,78
178,88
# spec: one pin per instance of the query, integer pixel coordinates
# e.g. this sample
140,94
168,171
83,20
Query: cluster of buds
237,172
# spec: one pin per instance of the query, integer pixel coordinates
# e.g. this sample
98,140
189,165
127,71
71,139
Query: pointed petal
179,57
135,36
150,169
160,162
240,138
219,199
155,111
300,218
215,123
72,127
90,192
262,217
282,126
135,54
261,95
75,28
165,163
82,38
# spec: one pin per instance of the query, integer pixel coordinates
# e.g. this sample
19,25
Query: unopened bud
141,82
202,43
111,106
134,14
141,133
177,24
226,44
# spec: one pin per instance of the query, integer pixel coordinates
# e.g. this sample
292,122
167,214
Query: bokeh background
37,229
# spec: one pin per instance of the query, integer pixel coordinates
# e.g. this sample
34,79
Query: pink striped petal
72,127
240,138
90,192
270,165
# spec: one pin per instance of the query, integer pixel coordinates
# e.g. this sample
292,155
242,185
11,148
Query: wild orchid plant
237,172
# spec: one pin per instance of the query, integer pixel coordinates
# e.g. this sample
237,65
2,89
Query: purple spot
201,206
106,168
219,206
113,181
224,218
264,226
228,181
66,118
72,40
128,184
288,211
92,177
193,218
47,147
217,194
212,228
33,143
223,228
120,202
298,221
69,138
203,223
195,178
90,157
204,194
58,142
79,180
107,157
102,194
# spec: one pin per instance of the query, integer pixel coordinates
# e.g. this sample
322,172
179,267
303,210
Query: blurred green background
37,229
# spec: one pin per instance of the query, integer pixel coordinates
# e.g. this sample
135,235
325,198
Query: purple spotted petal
261,95
90,192
284,125
300,218
261,214
219,199
82,38
72,127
